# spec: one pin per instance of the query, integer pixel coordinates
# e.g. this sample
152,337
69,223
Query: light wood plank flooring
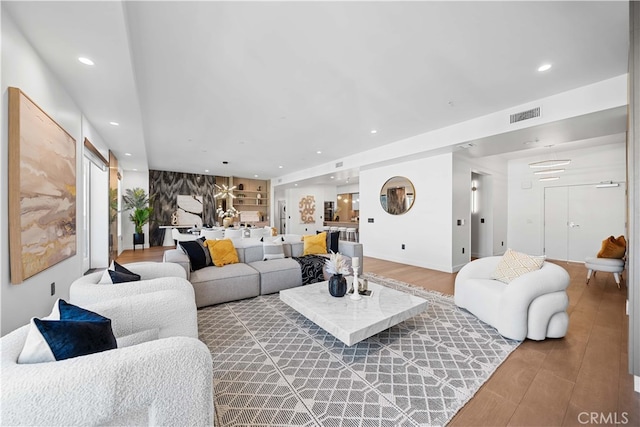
548,383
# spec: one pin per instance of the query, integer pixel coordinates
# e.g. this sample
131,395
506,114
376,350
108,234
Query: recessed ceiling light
255,176
318,152
114,123
127,154
206,170
134,169
374,131
331,177
550,178
295,185
544,67
86,61
280,167
548,171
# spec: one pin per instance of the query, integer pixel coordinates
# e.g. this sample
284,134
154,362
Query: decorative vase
337,285
227,221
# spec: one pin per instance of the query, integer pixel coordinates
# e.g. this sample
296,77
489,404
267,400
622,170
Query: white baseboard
636,383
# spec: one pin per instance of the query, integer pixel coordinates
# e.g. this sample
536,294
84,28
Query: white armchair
531,306
160,382
154,276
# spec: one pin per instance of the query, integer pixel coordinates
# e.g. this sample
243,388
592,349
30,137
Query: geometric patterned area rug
272,366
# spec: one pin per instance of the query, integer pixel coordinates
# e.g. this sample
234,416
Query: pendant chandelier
224,191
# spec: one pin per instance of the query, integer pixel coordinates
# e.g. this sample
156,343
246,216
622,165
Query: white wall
425,230
293,196
23,68
130,180
526,193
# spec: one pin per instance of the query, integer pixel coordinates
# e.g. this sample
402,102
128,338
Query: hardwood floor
577,380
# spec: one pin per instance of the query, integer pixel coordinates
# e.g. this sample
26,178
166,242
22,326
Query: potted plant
137,201
227,216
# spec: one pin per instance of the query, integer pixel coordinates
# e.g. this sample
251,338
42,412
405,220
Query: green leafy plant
138,202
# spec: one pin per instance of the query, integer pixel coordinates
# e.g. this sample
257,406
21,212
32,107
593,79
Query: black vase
337,285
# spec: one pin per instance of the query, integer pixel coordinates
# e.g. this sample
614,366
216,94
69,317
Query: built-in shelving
251,195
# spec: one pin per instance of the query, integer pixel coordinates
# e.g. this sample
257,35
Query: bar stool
333,229
326,228
343,233
351,234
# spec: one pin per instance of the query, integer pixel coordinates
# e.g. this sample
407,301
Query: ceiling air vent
339,164
525,115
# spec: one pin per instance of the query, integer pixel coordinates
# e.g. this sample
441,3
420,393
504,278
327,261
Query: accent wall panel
165,187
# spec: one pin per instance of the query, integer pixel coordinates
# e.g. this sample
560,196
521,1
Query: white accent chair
232,233
531,306
143,382
182,237
154,276
212,234
609,265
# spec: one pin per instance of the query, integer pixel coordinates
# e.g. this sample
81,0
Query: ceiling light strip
549,163
548,171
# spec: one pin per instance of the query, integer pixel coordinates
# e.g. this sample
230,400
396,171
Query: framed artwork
189,210
307,207
42,189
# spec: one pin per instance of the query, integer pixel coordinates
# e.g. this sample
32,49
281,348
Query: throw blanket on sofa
311,266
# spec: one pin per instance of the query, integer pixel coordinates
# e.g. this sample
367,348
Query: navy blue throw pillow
71,338
332,241
120,269
198,254
118,277
78,332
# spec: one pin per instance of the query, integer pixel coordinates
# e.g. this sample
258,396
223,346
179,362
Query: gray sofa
252,276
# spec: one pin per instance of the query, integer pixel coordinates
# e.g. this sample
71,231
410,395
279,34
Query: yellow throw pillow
222,252
613,248
315,244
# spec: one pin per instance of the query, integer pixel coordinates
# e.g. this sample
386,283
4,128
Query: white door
578,218
556,232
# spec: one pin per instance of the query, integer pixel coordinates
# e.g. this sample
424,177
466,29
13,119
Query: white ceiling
268,84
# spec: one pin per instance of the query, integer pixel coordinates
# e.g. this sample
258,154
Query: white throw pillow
272,248
514,264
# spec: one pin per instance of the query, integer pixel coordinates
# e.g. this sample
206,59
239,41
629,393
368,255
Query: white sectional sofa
253,276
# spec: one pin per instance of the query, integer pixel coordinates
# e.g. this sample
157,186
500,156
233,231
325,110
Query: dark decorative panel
165,187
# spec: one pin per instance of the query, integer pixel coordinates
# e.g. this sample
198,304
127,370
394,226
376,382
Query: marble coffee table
352,321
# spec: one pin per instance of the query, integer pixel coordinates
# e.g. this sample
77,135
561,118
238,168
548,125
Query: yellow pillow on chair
222,252
315,244
613,248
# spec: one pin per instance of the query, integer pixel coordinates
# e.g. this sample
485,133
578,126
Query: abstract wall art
307,207
42,189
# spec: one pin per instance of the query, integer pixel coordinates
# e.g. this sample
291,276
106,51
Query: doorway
481,215
577,219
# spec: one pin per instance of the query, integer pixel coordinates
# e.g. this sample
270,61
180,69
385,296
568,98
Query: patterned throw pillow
222,252
514,264
315,244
